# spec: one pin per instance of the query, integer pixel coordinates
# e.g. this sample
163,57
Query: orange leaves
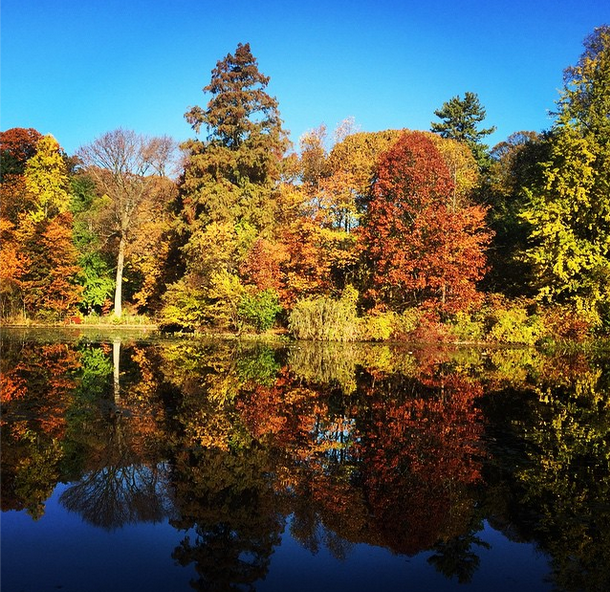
13,263
306,270
39,387
421,247
38,267
49,284
11,387
262,265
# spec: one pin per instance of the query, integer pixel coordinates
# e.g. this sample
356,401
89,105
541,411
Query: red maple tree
420,248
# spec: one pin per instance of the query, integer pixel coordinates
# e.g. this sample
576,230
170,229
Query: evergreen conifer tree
460,120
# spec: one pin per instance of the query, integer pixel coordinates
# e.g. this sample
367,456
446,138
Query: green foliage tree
514,166
96,267
259,309
230,176
460,120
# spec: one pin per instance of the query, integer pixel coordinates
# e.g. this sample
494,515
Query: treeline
373,235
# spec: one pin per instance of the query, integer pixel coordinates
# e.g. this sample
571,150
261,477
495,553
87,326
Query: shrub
377,326
514,325
407,322
466,327
429,327
223,298
183,307
325,319
259,309
570,322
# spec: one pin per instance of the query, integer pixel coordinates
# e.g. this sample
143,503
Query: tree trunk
116,369
118,292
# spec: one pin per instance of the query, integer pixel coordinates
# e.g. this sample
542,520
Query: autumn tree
131,173
418,245
569,209
320,239
39,258
515,165
228,195
460,120
17,146
50,288
230,176
13,265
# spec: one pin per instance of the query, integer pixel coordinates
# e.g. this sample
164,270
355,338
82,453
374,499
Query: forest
352,235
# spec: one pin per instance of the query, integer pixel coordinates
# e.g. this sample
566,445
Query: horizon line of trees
236,231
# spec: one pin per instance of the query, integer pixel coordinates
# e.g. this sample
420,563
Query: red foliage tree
17,146
418,245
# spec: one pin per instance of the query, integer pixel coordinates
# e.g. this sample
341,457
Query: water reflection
114,496
234,443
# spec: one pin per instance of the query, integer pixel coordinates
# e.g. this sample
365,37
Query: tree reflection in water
227,504
348,445
115,496
124,488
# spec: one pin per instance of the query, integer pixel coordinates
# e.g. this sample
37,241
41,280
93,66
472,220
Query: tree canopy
387,230
568,212
460,120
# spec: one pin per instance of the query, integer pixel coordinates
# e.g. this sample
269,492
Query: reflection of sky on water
505,567
60,551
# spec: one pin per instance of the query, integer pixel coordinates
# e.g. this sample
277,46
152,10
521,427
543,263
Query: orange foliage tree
48,284
39,260
419,246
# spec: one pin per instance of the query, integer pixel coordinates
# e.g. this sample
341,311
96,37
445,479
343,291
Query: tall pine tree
230,175
460,120
228,195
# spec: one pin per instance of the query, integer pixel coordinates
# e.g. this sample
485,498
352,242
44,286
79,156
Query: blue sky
79,68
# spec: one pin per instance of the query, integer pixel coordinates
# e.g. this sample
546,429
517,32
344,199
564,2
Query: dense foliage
430,231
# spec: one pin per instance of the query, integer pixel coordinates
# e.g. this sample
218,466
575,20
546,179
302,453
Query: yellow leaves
569,236
462,166
46,178
225,293
147,255
213,248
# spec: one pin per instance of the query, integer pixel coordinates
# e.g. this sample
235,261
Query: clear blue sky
79,68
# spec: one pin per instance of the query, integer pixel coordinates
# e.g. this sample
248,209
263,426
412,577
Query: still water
141,463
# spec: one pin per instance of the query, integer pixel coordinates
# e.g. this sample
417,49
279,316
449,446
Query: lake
132,461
